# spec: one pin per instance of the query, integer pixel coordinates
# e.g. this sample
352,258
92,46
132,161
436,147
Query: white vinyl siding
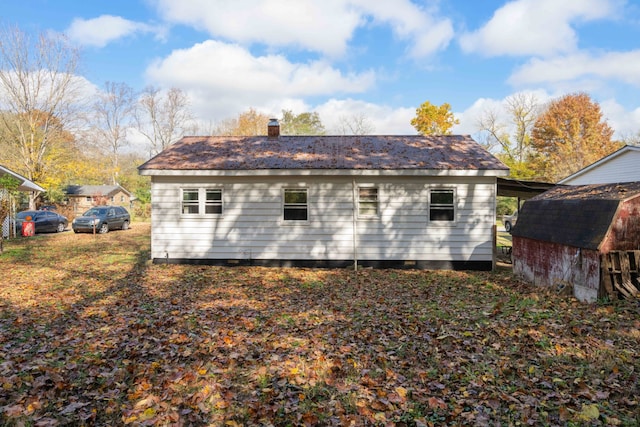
253,216
620,168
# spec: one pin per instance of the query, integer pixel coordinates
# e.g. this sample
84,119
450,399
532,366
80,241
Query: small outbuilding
562,235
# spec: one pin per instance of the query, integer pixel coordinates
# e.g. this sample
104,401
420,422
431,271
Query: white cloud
622,66
325,27
426,32
225,79
625,123
536,27
106,28
386,120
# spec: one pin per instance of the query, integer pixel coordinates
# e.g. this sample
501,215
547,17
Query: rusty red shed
561,234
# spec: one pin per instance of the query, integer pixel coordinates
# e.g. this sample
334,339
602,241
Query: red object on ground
28,228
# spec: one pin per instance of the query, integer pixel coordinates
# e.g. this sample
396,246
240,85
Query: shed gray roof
325,152
578,215
92,190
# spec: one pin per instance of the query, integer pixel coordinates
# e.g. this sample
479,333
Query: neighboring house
82,197
561,234
414,201
8,205
622,165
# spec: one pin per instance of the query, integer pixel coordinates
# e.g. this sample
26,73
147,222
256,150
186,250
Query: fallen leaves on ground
91,333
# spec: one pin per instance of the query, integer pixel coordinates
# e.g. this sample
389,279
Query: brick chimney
273,129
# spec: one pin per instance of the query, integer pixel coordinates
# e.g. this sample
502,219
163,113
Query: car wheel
125,225
76,231
104,228
61,227
507,226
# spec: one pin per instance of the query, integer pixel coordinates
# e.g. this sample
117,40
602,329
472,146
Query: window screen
190,201
295,205
367,201
441,205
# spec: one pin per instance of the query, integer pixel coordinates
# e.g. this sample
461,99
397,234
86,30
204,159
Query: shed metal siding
625,229
561,233
251,226
552,264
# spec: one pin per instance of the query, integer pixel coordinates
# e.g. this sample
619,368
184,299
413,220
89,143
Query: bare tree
494,133
38,93
355,124
164,118
114,110
524,110
208,127
512,133
630,138
226,127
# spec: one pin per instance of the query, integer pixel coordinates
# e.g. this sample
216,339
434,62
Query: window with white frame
442,205
201,201
295,206
368,202
213,201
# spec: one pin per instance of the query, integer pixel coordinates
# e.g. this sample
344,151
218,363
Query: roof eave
325,172
25,184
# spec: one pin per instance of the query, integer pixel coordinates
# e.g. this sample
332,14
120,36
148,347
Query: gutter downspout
355,226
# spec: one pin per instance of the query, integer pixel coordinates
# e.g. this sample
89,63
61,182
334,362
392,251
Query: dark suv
101,219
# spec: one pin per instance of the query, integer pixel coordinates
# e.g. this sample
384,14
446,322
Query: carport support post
494,235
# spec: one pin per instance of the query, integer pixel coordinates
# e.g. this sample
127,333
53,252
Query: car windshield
96,212
23,215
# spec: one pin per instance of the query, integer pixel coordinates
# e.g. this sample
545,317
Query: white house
622,165
83,197
413,201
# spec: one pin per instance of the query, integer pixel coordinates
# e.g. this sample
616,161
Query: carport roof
25,184
511,187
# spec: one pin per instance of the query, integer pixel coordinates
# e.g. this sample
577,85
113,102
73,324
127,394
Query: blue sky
342,58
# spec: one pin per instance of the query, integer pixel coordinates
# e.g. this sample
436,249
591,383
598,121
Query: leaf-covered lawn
91,333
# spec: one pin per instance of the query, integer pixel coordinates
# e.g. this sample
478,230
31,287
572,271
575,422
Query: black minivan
101,219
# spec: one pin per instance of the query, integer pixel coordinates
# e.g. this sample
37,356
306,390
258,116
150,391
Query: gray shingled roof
325,152
578,215
92,190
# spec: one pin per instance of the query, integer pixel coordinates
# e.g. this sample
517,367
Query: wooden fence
620,274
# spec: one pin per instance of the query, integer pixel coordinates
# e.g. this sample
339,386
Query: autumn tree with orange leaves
570,135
